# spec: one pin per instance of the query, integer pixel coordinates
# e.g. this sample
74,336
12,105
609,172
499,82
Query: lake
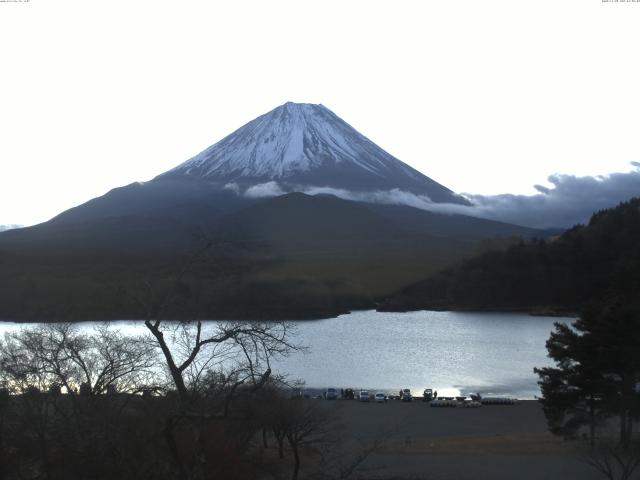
452,352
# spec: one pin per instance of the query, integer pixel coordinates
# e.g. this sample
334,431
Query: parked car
331,394
427,395
405,395
380,397
349,394
364,396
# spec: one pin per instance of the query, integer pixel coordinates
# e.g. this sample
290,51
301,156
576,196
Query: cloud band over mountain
570,199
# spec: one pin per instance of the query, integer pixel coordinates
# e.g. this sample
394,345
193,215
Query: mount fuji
296,147
306,148
330,237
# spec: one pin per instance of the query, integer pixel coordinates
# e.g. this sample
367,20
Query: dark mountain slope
450,225
599,260
189,199
164,217
294,256
140,218
296,221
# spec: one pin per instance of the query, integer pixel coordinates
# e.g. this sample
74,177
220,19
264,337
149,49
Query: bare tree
242,349
51,430
305,424
59,355
209,364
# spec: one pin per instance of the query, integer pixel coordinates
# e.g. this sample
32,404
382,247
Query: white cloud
268,189
393,197
234,187
569,200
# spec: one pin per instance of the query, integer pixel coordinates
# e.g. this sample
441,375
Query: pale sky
483,96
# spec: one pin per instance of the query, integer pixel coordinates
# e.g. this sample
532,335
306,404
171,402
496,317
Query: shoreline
529,312
375,351
316,393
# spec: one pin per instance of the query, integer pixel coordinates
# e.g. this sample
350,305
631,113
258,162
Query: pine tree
597,371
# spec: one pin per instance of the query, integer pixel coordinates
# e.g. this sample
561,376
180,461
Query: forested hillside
587,262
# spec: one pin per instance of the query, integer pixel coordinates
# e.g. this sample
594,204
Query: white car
380,397
364,396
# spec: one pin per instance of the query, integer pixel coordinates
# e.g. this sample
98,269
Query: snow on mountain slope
4,228
302,146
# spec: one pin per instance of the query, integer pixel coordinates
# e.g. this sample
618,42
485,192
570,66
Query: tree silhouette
597,371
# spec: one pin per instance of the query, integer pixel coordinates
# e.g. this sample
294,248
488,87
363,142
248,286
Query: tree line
600,260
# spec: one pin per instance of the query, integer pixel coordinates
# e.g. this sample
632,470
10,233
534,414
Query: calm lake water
490,353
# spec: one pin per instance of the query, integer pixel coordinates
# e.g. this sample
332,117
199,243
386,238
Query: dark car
331,394
427,395
405,395
349,394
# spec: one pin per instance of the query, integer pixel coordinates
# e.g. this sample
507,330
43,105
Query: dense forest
597,261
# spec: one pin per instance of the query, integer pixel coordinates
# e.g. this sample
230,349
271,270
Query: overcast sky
486,97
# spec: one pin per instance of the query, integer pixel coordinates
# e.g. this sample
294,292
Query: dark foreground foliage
66,436
186,401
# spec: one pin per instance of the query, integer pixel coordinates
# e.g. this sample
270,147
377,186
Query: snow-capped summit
302,146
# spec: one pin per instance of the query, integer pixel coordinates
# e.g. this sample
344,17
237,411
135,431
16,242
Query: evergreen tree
597,371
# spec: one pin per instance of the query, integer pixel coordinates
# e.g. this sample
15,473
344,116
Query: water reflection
452,352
